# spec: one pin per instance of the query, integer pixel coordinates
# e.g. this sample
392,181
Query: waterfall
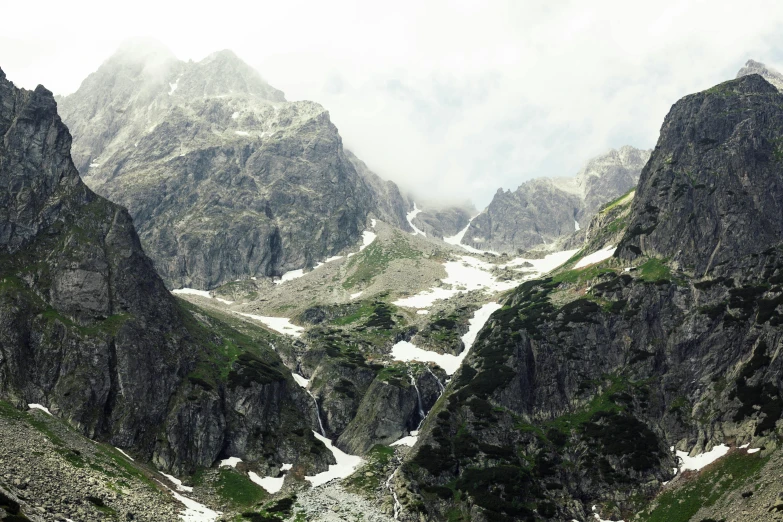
418,399
318,413
397,505
442,388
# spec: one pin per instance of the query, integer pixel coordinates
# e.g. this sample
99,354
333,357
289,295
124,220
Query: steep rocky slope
224,179
588,377
544,210
88,329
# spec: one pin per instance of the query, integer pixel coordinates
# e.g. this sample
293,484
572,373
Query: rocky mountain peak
224,73
709,192
768,73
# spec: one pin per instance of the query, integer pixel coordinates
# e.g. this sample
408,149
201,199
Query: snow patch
289,276
422,312
596,257
235,115
697,462
357,294
202,293
406,351
346,464
576,225
301,381
40,407
412,214
93,165
753,450
242,133
195,512
178,483
271,484
230,462
367,239
409,441
282,325
126,455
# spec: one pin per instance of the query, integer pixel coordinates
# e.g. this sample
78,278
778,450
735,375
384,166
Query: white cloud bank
450,98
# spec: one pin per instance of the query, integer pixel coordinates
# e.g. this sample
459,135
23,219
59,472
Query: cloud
447,98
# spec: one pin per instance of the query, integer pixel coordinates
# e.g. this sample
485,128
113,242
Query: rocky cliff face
575,390
544,210
710,193
443,221
88,329
223,177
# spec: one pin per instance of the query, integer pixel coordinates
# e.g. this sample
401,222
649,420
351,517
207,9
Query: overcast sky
452,99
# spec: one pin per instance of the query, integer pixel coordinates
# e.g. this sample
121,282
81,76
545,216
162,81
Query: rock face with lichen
544,210
88,329
224,179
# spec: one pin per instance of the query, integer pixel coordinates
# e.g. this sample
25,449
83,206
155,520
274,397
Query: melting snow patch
367,239
357,294
596,257
242,133
235,115
229,462
39,407
288,276
202,293
753,450
741,447
704,459
412,214
93,165
177,482
278,324
195,512
173,87
576,225
405,351
271,484
457,239
126,455
422,312
410,440
301,381
346,464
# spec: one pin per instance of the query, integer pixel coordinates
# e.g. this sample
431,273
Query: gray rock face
593,377
438,221
389,204
711,190
88,329
544,210
223,177
768,73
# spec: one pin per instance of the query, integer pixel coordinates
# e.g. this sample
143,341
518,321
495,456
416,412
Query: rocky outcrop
768,73
443,221
389,205
88,329
710,193
224,179
586,378
544,210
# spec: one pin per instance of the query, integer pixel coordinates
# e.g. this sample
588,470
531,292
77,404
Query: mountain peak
771,75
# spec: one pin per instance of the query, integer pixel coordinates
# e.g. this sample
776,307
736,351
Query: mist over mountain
224,178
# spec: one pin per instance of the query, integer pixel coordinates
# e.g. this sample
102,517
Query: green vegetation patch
375,259
237,489
732,472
